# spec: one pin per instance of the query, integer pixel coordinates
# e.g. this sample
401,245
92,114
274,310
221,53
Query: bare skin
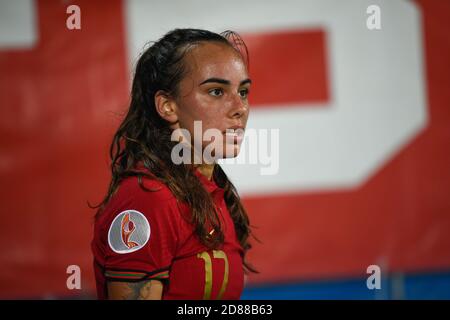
206,170
214,91
142,290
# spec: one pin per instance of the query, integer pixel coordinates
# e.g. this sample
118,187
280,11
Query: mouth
234,134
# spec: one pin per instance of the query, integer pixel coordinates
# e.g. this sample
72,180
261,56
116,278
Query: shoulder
151,198
146,189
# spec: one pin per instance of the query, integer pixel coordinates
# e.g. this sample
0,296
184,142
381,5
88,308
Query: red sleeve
142,236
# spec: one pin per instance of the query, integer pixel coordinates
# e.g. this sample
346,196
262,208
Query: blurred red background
62,100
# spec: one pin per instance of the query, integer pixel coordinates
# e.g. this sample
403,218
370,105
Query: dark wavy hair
144,138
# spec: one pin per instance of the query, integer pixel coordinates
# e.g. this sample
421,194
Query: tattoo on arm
142,290
137,290
131,290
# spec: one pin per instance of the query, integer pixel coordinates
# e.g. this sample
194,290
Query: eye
244,93
216,92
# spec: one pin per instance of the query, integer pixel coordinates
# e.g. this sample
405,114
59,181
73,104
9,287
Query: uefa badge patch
129,232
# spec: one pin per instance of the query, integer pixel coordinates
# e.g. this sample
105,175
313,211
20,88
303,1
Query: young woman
170,230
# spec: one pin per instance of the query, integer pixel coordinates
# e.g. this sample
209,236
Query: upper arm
141,239
142,290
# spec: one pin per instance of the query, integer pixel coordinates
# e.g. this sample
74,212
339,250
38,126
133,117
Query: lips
234,128
234,134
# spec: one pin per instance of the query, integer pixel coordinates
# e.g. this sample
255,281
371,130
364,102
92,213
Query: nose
239,107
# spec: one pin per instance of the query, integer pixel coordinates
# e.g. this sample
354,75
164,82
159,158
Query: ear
166,107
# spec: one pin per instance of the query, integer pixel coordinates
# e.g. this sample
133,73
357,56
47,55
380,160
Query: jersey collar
210,185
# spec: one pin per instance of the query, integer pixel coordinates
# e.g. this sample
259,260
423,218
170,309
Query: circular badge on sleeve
129,232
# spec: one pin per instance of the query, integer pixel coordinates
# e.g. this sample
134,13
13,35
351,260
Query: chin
231,151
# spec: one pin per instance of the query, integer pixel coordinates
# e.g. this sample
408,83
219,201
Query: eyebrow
223,81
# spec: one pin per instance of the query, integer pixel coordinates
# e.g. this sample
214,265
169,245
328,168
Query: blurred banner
362,172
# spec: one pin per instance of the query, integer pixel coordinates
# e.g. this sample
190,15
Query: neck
206,170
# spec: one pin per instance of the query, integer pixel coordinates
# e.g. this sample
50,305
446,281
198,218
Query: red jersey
145,235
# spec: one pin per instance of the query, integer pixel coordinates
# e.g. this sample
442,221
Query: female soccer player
171,230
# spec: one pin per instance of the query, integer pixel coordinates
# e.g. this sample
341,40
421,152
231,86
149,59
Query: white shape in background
377,95
18,24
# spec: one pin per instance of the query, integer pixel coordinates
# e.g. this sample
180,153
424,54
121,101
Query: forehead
215,59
